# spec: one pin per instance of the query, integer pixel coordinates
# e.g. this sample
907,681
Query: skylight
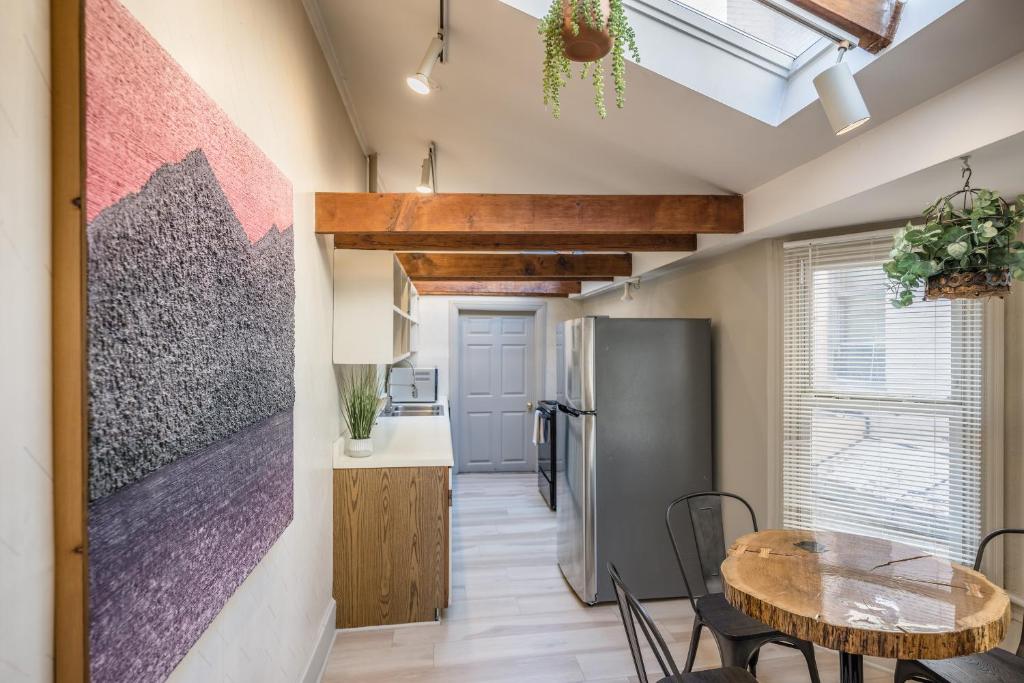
757,21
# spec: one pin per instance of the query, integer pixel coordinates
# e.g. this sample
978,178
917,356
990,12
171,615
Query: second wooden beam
469,266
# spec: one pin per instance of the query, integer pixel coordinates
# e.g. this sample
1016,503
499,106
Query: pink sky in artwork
143,111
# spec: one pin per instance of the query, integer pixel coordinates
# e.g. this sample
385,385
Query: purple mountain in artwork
191,365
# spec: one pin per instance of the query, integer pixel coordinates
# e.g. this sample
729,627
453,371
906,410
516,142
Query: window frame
993,403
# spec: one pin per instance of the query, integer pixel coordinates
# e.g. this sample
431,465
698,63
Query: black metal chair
739,637
994,666
633,614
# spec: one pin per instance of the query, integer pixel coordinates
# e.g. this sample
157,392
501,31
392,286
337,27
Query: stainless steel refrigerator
637,435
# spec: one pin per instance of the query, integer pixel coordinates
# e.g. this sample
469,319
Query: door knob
529,405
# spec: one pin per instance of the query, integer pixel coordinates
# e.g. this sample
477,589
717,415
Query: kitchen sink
406,410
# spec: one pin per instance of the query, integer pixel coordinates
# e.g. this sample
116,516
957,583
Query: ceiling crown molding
323,37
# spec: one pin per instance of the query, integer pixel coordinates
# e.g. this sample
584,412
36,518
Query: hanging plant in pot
969,247
361,403
586,31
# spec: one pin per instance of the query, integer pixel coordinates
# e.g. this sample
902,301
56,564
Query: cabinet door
390,545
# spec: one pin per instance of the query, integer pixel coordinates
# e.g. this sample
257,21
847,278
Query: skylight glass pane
759,22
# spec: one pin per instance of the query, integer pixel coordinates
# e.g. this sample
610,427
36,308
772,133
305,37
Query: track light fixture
420,81
627,289
844,105
428,171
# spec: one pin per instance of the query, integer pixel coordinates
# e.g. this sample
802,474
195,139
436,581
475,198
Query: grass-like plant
361,389
981,235
557,69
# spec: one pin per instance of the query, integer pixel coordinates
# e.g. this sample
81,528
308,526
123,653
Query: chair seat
995,666
730,674
716,612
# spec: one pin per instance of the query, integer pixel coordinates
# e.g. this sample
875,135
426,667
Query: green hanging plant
557,69
965,249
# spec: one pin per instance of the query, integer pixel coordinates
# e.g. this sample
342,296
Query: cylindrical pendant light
844,106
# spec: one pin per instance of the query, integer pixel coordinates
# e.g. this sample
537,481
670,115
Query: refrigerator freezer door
579,363
575,510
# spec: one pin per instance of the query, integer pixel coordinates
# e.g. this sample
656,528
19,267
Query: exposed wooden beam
874,22
413,241
370,215
496,288
421,266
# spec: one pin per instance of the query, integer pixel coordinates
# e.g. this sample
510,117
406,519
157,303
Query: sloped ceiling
494,134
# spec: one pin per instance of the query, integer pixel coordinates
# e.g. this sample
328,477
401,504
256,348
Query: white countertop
403,442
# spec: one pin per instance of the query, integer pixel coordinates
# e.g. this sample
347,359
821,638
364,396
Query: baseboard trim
318,660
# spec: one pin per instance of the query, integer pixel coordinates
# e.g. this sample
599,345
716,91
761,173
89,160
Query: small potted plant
585,31
968,247
361,403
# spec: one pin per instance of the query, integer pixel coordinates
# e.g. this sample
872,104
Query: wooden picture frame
70,405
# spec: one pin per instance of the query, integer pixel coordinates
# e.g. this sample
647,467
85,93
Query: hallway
513,618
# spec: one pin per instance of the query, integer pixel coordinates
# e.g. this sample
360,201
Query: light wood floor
513,617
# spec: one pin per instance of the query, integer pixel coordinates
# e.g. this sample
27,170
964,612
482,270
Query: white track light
420,81
428,181
627,289
841,97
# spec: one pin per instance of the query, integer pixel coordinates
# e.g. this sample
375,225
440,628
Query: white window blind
882,406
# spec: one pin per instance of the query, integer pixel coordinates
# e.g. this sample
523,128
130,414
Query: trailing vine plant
557,67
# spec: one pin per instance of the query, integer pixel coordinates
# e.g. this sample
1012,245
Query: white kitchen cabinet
375,307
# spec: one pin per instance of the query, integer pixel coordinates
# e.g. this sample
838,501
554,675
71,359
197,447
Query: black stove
547,468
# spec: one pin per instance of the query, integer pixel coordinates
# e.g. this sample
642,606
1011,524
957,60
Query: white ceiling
494,135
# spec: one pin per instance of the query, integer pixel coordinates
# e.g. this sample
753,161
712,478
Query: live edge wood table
864,596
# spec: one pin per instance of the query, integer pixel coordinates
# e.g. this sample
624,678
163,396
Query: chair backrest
707,530
633,615
977,567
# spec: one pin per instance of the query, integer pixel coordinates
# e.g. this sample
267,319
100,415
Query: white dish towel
540,424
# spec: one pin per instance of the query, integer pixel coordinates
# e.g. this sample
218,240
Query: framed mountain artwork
189,339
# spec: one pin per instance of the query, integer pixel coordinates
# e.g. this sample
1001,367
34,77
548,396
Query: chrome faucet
387,382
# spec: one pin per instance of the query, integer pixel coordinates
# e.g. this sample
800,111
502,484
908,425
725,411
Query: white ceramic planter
358,448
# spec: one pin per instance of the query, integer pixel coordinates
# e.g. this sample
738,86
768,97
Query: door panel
513,437
480,436
514,371
478,362
496,377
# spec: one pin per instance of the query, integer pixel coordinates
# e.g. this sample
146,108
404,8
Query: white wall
434,333
260,61
26,520
735,292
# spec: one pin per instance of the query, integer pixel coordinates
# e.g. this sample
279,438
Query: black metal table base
851,668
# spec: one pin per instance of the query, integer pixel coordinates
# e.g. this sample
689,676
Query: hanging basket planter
968,248
586,31
582,42
969,285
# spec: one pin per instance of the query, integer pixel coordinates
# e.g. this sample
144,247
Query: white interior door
496,376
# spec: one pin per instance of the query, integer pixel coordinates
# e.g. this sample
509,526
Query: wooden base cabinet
391,544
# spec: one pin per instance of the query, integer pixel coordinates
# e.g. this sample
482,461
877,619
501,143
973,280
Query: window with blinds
882,406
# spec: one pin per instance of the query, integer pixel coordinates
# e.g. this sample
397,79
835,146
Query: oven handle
569,410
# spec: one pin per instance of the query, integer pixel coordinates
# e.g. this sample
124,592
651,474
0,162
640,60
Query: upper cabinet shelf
375,308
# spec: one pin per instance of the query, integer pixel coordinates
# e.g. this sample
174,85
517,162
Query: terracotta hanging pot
969,285
589,45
